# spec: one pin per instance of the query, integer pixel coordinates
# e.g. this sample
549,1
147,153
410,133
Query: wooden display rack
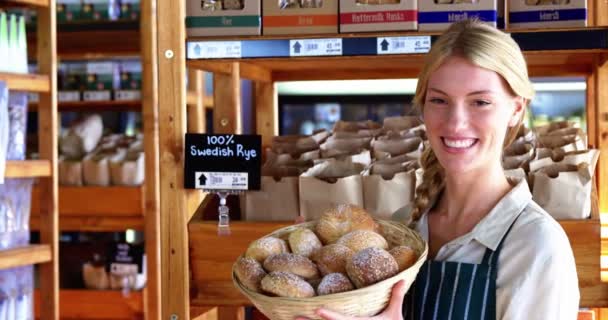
45,254
192,247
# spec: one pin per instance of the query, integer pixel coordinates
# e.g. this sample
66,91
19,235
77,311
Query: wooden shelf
28,169
26,82
96,304
99,43
32,254
36,3
95,208
95,106
192,99
215,287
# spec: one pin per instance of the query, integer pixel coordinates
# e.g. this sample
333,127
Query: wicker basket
366,301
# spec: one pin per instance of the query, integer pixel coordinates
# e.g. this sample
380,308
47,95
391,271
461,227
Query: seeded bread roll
304,242
285,284
289,262
250,273
265,247
333,258
338,221
363,239
334,283
405,256
371,265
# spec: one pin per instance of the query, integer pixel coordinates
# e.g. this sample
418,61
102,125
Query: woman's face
466,112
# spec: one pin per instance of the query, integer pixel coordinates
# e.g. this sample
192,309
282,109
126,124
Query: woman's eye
481,103
436,100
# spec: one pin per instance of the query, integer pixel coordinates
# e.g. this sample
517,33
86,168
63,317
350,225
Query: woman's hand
394,310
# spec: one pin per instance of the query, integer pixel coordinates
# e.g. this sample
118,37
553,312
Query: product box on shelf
130,80
547,14
69,10
100,9
130,9
437,15
71,81
207,18
300,17
378,15
100,80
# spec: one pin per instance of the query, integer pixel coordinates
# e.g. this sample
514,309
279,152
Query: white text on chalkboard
226,151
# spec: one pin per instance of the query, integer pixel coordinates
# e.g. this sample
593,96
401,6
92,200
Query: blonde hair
488,48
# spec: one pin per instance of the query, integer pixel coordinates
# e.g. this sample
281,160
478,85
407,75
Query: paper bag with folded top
341,143
518,156
389,146
277,200
419,131
589,157
400,159
355,126
399,124
70,172
564,191
518,173
128,170
294,145
553,126
285,159
388,191
328,184
564,143
362,157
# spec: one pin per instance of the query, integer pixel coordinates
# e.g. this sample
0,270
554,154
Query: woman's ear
518,111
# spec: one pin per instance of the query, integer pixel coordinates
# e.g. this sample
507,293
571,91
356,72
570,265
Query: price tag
315,47
214,49
97,96
222,162
403,45
68,96
125,258
222,180
127,95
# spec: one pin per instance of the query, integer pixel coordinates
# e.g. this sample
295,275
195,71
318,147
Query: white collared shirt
536,270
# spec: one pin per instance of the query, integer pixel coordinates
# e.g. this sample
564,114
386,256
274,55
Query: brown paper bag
564,143
383,196
518,173
564,191
404,158
96,169
518,156
418,131
566,132
128,171
320,136
70,172
389,145
294,145
589,157
355,126
316,195
557,125
398,124
277,200
349,145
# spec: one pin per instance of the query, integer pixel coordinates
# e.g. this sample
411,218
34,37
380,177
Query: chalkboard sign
222,161
125,258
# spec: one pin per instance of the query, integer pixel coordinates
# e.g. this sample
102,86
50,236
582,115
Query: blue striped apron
455,290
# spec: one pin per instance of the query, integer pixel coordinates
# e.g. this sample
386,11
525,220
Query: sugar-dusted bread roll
338,221
289,262
371,265
333,258
250,273
265,247
304,242
334,283
363,239
285,284
405,256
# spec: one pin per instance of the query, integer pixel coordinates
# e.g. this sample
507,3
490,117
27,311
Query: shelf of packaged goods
95,208
95,40
32,254
27,169
564,52
25,3
96,304
95,106
26,82
216,288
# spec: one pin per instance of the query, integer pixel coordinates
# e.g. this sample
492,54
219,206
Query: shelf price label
403,45
222,162
214,49
125,258
315,47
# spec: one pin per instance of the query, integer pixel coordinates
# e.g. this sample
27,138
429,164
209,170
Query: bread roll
304,242
285,284
334,283
289,262
405,256
363,239
250,273
338,221
371,265
333,258
265,247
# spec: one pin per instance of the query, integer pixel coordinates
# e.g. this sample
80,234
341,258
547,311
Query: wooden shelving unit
95,106
97,304
193,248
45,254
